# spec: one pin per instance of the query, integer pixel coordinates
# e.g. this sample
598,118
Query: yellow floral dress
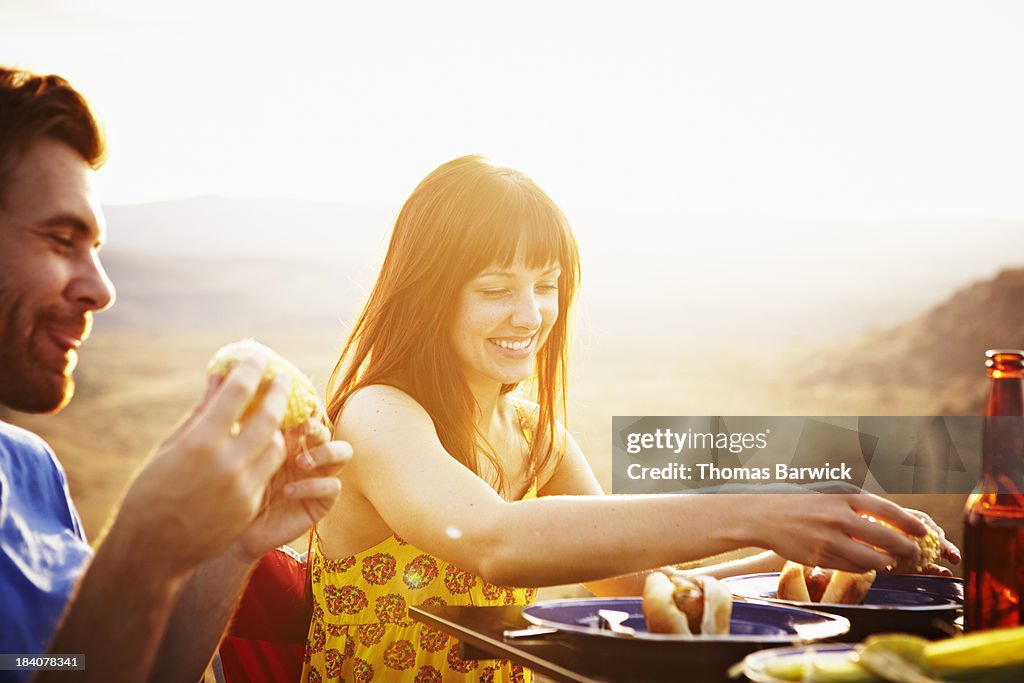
361,629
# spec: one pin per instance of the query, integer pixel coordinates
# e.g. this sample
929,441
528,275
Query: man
155,598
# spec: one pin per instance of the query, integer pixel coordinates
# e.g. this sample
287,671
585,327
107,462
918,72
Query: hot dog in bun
697,605
814,584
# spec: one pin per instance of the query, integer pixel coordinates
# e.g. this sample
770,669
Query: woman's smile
515,344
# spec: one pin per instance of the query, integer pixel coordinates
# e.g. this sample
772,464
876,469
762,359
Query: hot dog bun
686,605
848,589
814,584
792,585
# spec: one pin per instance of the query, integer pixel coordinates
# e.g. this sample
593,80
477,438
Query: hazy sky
755,108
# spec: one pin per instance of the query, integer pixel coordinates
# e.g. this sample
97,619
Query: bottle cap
1004,361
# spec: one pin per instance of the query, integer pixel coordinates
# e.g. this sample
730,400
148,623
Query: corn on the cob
302,398
931,549
995,648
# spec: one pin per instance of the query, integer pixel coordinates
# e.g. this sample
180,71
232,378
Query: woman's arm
435,503
574,476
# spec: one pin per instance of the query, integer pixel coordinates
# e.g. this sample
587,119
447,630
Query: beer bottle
994,514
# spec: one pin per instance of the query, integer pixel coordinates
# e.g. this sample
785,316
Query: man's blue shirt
43,549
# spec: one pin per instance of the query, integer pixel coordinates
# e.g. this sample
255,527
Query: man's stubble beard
26,385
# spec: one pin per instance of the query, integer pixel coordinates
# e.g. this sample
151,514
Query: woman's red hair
465,216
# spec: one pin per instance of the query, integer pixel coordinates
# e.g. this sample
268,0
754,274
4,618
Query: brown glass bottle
994,514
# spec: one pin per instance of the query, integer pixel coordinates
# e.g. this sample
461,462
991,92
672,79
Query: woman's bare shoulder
375,406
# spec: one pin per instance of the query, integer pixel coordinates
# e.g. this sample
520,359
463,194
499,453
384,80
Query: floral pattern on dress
428,674
317,639
344,600
457,663
362,631
339,566
458,581
362,671
332,663
391,609
378,569
420,572
370,634
432,639
400,655
350,648
490,591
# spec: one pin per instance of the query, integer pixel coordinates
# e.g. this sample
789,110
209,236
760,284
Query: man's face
51,280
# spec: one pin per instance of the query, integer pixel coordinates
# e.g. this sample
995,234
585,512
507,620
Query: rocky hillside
932,364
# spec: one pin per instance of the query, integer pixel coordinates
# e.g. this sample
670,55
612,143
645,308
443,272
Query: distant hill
938,354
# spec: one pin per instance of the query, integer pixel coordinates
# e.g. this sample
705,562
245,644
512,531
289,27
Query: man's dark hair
34,106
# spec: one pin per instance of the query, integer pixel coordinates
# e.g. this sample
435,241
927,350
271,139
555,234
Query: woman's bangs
531,229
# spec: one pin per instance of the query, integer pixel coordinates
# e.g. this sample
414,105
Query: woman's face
503,316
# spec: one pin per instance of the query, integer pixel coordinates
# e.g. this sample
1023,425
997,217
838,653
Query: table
480,633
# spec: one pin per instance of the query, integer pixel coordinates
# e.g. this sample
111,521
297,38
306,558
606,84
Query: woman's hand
829,530
947,551
302,491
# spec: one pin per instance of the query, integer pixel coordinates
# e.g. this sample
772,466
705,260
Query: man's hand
301,493
206,482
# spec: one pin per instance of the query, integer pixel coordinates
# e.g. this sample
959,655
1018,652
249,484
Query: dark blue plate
913,603
659,656
762,623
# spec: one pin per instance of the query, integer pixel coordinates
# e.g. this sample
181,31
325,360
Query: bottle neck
1003,443
1006,396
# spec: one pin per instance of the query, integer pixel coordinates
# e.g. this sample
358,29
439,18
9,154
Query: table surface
480,630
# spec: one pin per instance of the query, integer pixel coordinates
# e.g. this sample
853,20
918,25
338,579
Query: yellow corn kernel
302,398
930,549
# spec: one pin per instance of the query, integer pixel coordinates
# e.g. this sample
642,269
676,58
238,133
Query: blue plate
761,623
657,656
913,603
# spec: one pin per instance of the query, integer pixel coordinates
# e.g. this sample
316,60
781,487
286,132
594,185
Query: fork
612,620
